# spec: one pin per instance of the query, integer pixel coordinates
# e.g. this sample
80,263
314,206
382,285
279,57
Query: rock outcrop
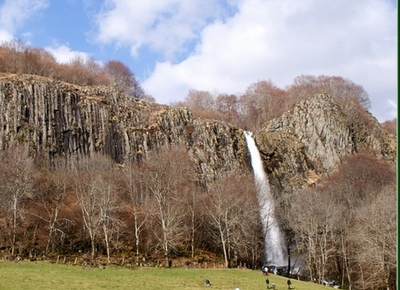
63,120
308,141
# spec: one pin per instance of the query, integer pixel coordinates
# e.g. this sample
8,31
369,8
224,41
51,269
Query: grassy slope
29,275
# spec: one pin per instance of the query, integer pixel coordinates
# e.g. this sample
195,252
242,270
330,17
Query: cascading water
274,246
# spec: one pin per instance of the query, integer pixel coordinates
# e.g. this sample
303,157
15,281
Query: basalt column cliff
63,120
57,119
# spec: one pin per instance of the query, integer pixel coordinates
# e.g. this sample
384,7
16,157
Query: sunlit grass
42,275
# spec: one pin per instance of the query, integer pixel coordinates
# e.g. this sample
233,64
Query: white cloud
64,54
164,26
391,109
13,14
5,35
280,40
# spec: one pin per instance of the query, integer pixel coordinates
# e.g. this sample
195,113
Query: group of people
272,286
289,283
264,269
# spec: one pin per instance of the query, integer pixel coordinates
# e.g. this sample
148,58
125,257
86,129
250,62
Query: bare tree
375,239
261,102
38,61
341,89
194,223
313,221
231,208
87,191
228,105
108,208
12,56
53,190
134,191
391,126
139,202
123,79
165,175
199,100
95,72
96,198
356,183
17,176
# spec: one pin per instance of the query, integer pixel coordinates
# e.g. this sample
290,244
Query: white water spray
275,252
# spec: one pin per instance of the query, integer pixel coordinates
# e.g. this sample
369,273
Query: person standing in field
289,283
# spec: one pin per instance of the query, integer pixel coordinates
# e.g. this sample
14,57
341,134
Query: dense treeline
137,210
344,228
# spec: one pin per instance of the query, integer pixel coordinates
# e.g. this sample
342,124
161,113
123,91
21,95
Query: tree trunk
288,256
136,236
52,222
14,225
93,247
105,230
224,248
192,233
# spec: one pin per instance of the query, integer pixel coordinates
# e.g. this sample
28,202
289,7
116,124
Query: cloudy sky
221,46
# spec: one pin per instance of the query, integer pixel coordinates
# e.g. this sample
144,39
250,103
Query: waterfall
275,252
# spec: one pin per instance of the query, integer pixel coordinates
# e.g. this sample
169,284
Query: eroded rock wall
59,119
308,141
64,120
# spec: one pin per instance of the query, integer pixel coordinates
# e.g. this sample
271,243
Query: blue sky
221,46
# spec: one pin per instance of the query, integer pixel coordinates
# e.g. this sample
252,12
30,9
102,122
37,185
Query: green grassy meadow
42,275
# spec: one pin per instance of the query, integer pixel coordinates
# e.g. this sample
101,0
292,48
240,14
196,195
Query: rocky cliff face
64,120
309,140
